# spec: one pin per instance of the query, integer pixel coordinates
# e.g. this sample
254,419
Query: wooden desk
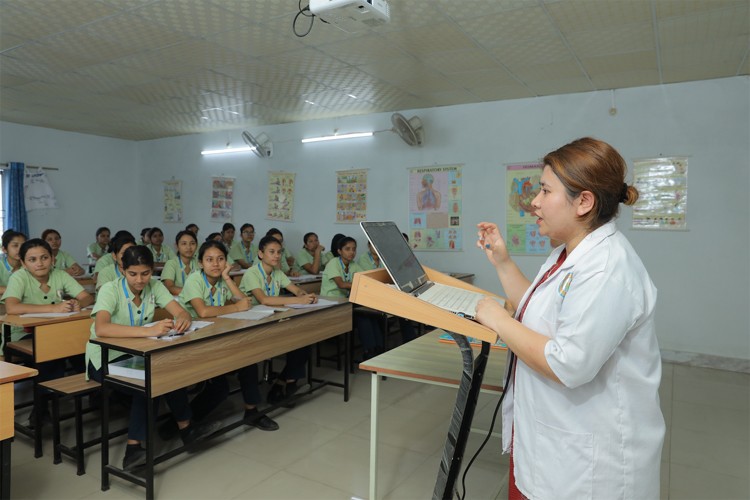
9,373
220,348
425,360
310,283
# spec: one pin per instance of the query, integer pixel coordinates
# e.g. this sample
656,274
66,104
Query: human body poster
662,189
351,196
172,201
222,196
435,208
522,233
280,196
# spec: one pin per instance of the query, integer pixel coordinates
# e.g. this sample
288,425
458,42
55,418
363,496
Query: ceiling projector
352,15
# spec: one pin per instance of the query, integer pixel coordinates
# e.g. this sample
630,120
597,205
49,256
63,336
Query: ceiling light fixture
243,149
337,137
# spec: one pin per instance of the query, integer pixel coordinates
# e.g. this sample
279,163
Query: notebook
409,275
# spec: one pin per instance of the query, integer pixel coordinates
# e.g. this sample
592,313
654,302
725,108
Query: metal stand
463,414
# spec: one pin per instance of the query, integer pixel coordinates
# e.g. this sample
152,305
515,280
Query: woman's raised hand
491,241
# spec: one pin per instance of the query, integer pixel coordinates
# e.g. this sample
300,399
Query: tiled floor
322,448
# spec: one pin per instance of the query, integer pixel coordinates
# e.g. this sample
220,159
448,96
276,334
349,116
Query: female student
63,260
330,254
263,282
98,248
193,228
227,235
122,309
337,282
210,293
162,253
115,271
243,252
287,261
109,258
10,261
145,239
312,259
177,270
581,417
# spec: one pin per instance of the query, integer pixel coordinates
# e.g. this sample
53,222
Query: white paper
305,278
261,307
195,325
48,315
320,303
253,314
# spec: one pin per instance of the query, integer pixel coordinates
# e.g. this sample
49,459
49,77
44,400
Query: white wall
703,275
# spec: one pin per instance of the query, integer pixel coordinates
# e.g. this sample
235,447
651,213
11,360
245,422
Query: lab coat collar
590,241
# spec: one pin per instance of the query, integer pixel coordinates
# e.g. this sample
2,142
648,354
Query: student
210,293
109,258
98,248
122,309
263,282
193,228
337,282
331,254
39,288
286,260
162,253
145,239
62,260
10,262
114,272
177,270
227,235
312,259
243,252
214,237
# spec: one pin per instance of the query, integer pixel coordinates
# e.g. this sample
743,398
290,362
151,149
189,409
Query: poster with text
435,208
172,201
280,196
222,194
662,189
522,234
351,196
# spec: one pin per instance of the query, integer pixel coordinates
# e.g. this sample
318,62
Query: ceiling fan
261,145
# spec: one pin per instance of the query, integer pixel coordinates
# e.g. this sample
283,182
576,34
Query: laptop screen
396,255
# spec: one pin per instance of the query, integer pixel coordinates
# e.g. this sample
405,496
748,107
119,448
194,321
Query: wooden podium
374,289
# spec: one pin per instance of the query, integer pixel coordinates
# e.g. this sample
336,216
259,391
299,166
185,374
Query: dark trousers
217,390
296,361
368,328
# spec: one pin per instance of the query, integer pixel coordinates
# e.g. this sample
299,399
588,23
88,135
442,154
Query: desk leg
347,363
374,397
150,436
5,463
105,421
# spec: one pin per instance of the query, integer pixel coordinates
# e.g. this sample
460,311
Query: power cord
303,11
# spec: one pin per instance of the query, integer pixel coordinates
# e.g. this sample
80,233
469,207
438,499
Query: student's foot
167,430
196,432
263,422
276,394
135,457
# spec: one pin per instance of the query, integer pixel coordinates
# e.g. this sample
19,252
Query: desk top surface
428,359
10,372
25,321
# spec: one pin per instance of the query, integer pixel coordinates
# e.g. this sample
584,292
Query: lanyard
5,261
372,259
130,309
117,273
248,254
270,287
182,268
549,273
346,275
218,289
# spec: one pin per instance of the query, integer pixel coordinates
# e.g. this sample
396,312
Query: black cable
511,359
303,12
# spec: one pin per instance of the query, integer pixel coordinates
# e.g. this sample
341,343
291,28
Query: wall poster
172,201
222,194
435,208
280,196
351,196
662,186
522,234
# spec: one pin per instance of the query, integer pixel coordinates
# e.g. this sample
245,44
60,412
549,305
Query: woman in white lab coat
582,405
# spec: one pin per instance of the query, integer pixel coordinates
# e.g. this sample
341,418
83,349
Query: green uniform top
284,264
174,269
367,263
94,248
197,286
26,288
256,277
239,252
164,255
328,256
63,260
113,299
104,261
305,257
109,273
5,270
335,268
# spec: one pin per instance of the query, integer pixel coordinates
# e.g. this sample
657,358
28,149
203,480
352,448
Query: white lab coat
599,434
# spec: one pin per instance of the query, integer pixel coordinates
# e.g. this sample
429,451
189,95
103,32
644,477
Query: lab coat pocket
565,466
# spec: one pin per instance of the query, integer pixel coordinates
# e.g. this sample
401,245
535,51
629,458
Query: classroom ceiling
146,69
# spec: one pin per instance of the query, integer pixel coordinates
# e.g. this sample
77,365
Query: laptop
409,276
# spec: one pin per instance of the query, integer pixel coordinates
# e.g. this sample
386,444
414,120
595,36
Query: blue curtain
13,201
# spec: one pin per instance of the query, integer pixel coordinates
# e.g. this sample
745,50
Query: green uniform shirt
305,257
239,252
111,298
104,261
164,255
5,270
174,270
94,248
284,264
367,263
197,286
255,277
335,268
109,273
63,260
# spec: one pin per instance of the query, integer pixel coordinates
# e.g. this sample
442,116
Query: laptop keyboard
453,299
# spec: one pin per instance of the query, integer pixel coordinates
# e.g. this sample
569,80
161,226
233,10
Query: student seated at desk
208,294
98,249
312,259
122,308
10,262
177,270
145,240
263,282
193,228
287,261
332,253
115,271
243,252
337,282
62,260
227,235
109,258
162,253
38,288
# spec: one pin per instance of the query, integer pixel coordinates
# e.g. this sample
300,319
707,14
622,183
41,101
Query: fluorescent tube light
337,137
243,149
